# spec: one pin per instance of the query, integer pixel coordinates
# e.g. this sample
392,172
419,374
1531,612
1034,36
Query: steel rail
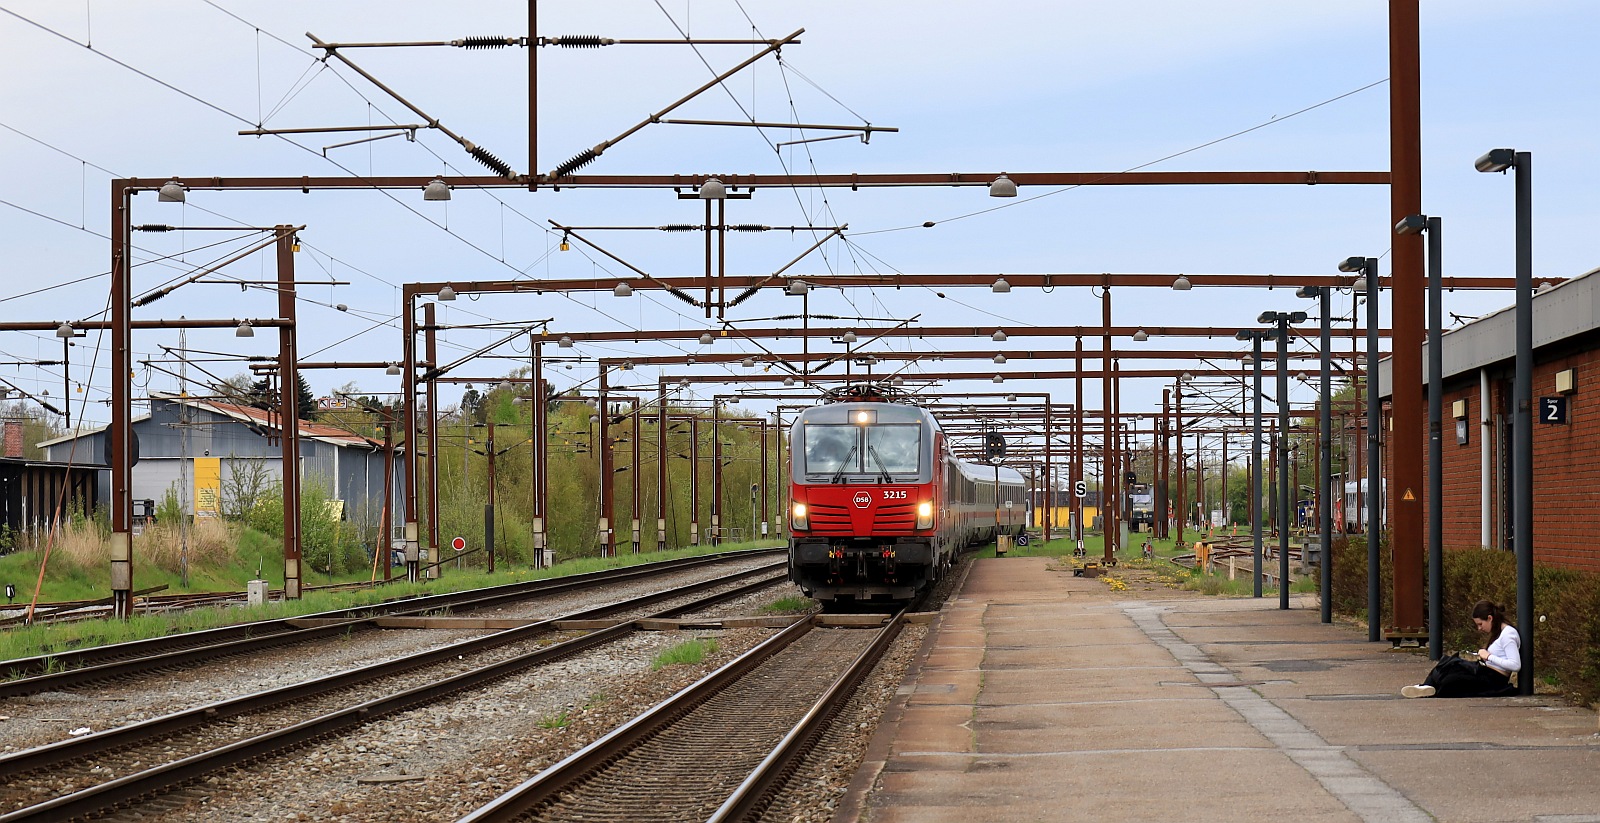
102,662
546,785
749,800
169,775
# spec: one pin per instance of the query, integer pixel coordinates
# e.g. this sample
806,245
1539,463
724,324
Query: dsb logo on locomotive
862,500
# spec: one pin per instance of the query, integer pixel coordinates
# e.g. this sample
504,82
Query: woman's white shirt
1505,653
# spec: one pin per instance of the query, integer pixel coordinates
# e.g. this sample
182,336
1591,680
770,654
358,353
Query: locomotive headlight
924,515
797,517
864,417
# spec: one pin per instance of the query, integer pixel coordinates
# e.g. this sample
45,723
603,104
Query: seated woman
1490,674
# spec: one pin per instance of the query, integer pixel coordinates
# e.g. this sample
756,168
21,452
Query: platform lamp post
1255,337
1368,286
1325,445
1417,224
1522,400
1281,321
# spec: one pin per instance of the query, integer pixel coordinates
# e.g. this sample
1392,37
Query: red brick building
1478,371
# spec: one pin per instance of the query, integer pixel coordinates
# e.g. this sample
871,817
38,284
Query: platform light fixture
999,336
706,339
244,329
393,370
64,330
797,288
1003,186
447,294
622,290
1182,284
1000,286
564,343
848,337
999,358
172,192
1140,336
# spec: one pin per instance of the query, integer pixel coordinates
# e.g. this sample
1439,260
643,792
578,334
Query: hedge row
1566,643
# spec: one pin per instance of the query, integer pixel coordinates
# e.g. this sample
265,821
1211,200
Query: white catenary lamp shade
64,330
706,339
1182,284
998,336
1140,336
172,192
713,190
436,190
244,330
447,294
1000,286
622,290
564,343
393,370
1003,187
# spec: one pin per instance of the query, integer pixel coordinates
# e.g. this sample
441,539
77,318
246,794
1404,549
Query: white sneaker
1417,691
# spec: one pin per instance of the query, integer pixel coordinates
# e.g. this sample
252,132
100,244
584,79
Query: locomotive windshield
875,451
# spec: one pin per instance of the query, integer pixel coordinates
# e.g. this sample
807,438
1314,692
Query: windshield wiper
844,465
883,471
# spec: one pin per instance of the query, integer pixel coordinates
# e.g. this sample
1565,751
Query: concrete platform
1040,697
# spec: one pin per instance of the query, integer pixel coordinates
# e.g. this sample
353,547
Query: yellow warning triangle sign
1408,496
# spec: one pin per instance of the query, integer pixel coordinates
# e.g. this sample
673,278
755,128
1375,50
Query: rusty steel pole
1048,507
1407,304
540,455
765,479
386,530
633,469
661,465
488,505
1108,481
694,480
607,487
1159,493
120,431
408,390
431,348
716,472
1180,511
289,414
1077,448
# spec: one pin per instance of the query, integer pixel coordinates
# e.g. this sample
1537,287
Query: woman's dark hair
1488,609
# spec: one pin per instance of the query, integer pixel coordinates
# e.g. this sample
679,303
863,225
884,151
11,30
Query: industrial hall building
215,453
1478,366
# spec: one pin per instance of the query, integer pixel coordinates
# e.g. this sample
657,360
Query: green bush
1566,645
327,544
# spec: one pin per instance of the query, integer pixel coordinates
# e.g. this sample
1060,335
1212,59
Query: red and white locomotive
880,505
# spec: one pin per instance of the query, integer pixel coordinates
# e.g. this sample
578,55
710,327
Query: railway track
717,750
69,669
93,774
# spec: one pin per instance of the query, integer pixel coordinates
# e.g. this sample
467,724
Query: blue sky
1004,86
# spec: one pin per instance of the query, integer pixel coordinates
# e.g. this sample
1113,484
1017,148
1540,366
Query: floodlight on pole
1182,284
849,337
999,336
622,290
447,294
797,288
999,358
64,330
436,190
1496,160
1000,286
172,192
1003,186
244,329
393,370
1140,336
706,339
564,343
999,379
